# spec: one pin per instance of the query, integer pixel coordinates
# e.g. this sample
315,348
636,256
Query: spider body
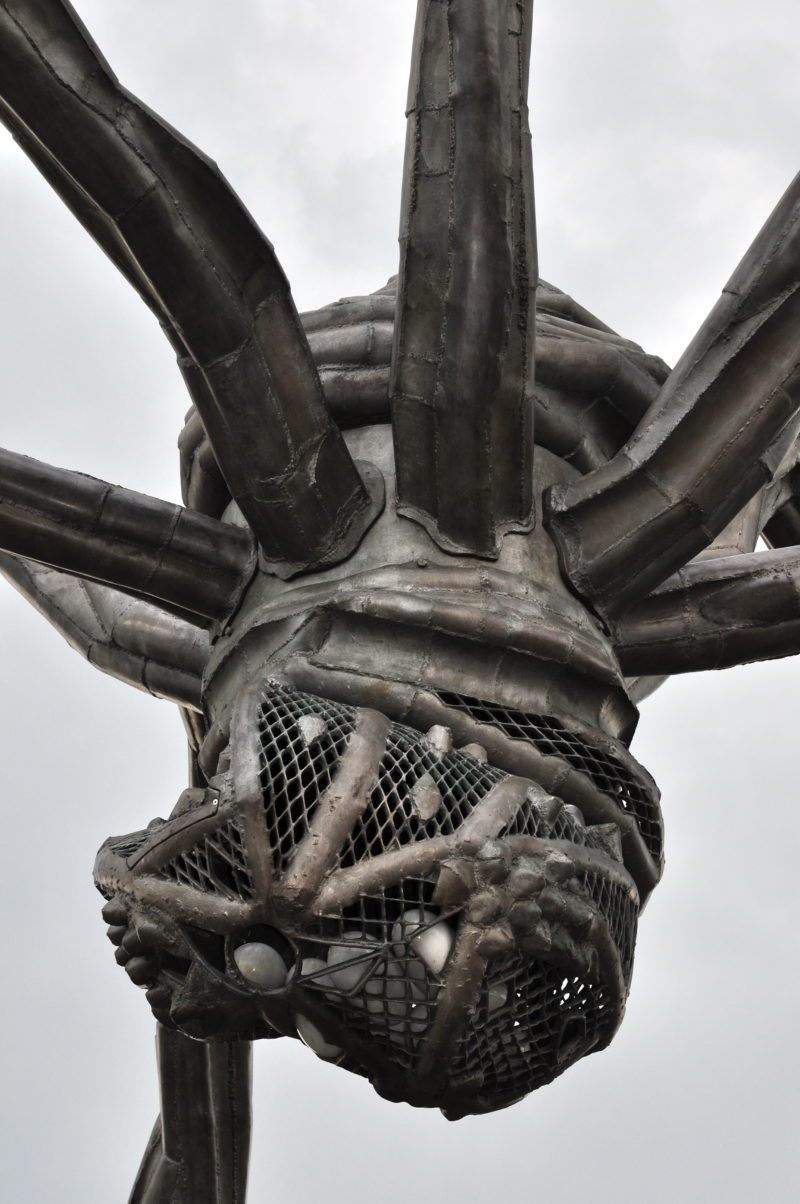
436,543
317,697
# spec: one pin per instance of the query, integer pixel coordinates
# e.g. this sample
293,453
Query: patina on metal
436,544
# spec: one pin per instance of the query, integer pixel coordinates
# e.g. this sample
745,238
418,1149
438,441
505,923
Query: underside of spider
436,544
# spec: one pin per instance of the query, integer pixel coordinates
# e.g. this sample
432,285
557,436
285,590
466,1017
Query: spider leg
203,486
146,547
351,342
782,529
171,223
132,640
554,301
592,387
715,614
351,345
713,438
463,352
199,1149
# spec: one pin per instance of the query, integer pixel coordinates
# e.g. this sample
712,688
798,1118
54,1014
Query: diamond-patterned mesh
217,865
365,965
529,821
395,1011
544,1022
531,1020
622,914
396,1005
391,819
548,735
375,915
296,765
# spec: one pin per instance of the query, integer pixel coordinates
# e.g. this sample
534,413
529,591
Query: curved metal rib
462,384
199,1150
592,387
715,435
147,547
171,223
715,614
134,641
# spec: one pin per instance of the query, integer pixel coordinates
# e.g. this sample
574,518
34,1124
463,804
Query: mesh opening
397,1007
528,821
533,1019
217,865
391,819
546,1021
297,765
549,736
375,915
622,914
396,1013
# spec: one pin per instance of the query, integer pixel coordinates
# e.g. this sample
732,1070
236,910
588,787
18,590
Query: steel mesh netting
551,737
391,818
216,864
295,767
532,1019
528,821
621,913
393,1004
375,915
547,1019
395,1011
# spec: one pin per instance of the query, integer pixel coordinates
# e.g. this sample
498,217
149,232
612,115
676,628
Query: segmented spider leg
463,349
199,1150
714,437
137,642
782,529
170,221
91,218
141,545
715,614
554,301
203,486
351,343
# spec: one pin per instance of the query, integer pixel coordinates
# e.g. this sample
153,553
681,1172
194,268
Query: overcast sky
664,134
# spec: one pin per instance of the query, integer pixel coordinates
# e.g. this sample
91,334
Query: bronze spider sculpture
415,836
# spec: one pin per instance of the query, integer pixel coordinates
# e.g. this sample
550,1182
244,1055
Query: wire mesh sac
467,936
534,1016
549,735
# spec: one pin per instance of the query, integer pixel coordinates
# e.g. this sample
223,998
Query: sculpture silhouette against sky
414,835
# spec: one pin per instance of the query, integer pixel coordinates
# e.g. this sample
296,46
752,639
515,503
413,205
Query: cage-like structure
453,932
436,544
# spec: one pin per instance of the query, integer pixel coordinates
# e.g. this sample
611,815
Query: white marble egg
310,1035
347,965
261,965
401,994
396,990
314,965
373,993
420,1015
433,945
498,996
410,920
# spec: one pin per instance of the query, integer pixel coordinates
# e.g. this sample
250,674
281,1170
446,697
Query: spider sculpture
436,544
